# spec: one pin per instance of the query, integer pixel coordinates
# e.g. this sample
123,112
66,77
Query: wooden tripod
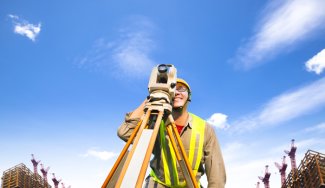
130,168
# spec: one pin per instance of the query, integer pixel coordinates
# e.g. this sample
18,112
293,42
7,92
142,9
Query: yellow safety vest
169,158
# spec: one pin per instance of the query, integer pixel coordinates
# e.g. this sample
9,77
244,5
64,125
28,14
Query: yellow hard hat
180,80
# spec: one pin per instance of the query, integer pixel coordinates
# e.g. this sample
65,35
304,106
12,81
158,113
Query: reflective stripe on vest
168,155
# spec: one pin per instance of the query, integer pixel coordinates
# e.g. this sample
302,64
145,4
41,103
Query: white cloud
317,128
126,56
283,24
13,16
133,52
22,27
317,63
234,147
103,155
29,30
286,107
307,143
218,120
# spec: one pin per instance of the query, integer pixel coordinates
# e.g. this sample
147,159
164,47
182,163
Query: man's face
181,95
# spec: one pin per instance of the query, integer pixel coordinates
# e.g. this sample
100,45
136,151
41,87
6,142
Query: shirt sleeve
126,128
214,164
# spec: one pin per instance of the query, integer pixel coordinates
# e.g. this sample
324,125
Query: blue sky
70,70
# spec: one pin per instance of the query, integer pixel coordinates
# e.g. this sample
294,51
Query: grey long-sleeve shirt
212,162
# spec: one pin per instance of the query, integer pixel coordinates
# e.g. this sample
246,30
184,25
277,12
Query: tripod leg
121,156
135,144
185,164
121,159
112,182
149,150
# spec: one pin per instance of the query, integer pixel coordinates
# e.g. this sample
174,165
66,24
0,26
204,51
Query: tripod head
162,83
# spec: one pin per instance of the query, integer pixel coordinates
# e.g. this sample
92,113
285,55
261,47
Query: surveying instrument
130,167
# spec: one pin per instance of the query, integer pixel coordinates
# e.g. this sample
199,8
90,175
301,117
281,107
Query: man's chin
178,106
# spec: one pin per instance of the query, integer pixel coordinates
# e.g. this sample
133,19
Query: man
204,153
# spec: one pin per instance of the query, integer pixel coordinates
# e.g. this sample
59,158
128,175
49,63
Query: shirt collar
189,121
